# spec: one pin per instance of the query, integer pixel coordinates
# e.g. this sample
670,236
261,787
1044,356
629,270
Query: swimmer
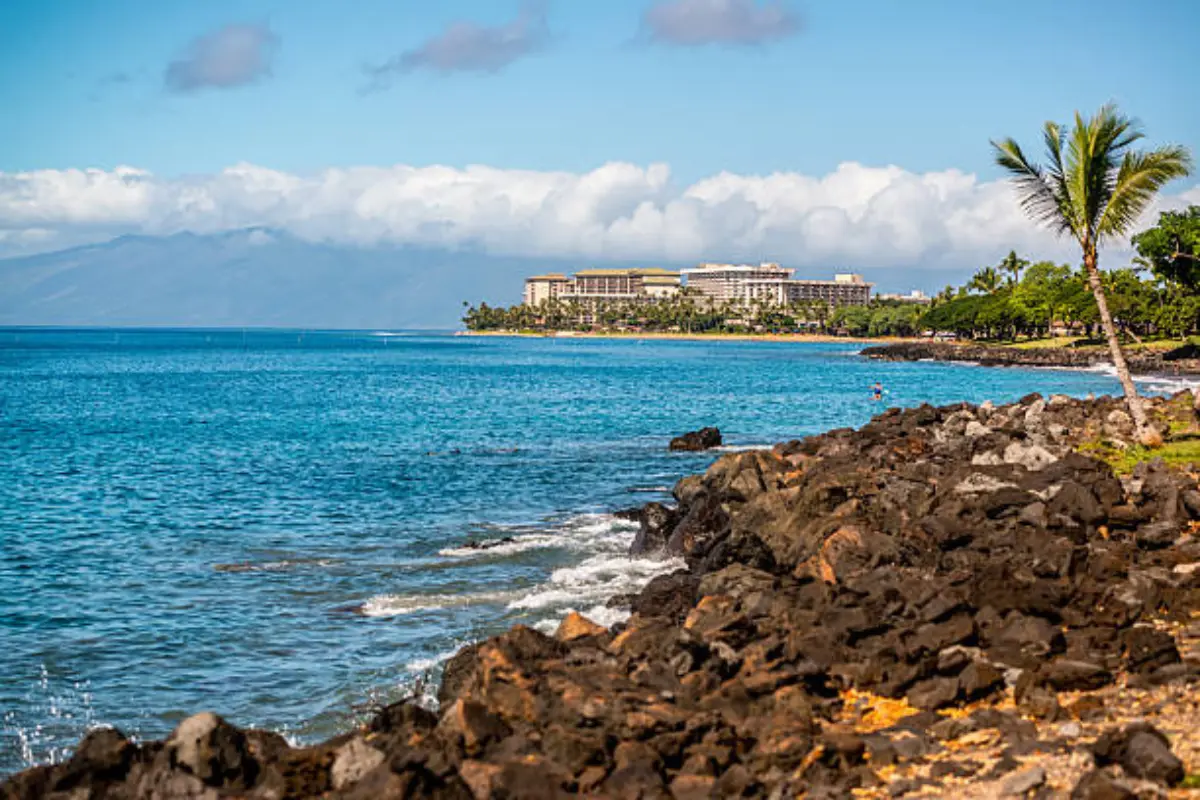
877,391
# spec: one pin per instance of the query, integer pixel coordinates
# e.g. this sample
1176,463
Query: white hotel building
772,284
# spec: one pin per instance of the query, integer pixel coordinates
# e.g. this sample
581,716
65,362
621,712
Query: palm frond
1037,189
1055,175
1139,178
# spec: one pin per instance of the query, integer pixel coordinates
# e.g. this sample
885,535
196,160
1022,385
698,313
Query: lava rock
703,439
1142,751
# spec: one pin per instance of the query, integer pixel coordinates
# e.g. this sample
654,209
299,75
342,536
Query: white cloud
858,216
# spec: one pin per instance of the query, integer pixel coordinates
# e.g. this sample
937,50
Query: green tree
987,280
1172,248
1012,266
1094,187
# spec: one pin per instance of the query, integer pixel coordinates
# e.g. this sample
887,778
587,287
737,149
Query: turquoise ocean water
271,524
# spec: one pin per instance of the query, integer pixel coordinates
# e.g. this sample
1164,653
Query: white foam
519,544
1167,385
581,532
647,489
426,664
593,581
740,448
393,605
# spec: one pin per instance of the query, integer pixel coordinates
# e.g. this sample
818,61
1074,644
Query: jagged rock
655,524
1103,784
703,439
1023,782
352,761
104,756
936,554
1142,751
212,750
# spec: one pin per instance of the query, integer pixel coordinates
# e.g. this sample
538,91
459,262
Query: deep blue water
269,524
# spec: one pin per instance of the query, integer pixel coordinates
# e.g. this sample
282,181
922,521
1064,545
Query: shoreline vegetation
967,601
692,337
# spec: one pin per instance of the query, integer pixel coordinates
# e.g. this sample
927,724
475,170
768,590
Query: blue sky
850,133
919,84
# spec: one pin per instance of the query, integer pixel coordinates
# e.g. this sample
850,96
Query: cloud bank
859,216
697,22
229,57
469,47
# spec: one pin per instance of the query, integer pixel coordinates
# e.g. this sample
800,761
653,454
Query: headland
967,601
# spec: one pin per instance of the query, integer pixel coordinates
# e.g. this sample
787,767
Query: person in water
877,391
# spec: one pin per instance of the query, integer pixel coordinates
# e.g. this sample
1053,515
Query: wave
581,532
740,448
394,605
1166,384
275,566
586,587
648,489
506,546
433,662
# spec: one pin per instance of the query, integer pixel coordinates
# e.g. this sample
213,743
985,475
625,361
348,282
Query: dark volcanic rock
703,439
993,356
1142,751
656,522
925,556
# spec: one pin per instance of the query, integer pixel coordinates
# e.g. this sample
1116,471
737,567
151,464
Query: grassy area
1179,452
1057,341
1077,341
1181,449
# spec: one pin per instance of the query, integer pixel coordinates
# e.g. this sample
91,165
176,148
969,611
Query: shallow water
271,524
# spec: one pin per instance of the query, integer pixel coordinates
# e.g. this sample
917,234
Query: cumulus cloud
232,56
855,216
468,46
697,22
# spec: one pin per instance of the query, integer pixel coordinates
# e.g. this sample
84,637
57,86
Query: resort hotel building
768,284
639,284
772,284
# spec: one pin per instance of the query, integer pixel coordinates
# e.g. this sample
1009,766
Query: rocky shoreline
1182,361
951,601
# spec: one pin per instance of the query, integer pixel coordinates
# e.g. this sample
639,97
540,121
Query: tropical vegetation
1093,187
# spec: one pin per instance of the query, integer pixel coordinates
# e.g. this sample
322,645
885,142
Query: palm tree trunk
1146,435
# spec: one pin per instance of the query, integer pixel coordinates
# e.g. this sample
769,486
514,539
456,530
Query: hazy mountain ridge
251,277
266,277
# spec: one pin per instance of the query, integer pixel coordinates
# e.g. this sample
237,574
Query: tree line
689,312
1156,296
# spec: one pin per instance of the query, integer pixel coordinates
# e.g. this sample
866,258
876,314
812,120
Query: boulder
1142,751
212,750
703,439
655,522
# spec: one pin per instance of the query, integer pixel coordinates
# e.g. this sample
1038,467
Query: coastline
1180,363
815,640
692,337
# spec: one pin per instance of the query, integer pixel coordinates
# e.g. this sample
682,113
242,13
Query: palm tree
1012,265
987,280
1094,187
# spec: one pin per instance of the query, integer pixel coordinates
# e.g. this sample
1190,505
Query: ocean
274,525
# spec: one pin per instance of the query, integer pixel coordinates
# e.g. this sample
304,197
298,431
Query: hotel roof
549,276
646,271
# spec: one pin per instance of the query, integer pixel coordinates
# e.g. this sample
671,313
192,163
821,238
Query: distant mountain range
264,277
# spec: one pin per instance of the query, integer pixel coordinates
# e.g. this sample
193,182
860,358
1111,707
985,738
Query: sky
824,134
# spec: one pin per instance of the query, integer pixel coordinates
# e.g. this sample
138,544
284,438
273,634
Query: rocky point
954,601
